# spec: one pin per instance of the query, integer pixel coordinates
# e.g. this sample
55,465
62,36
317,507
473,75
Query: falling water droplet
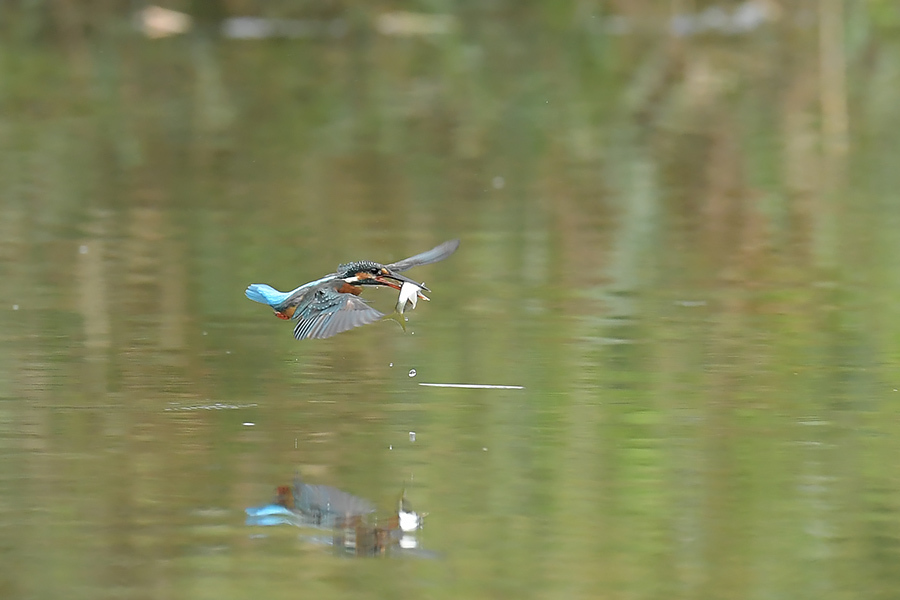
412,372
15,307
391,365
83,249
412,436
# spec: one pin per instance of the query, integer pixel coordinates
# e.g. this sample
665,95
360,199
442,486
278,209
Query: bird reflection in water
356,528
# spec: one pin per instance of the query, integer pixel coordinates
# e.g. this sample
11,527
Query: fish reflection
356,529
396,533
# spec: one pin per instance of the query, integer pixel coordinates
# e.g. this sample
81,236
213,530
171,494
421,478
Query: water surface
682,247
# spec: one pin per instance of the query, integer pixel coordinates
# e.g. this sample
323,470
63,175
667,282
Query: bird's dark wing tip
438,253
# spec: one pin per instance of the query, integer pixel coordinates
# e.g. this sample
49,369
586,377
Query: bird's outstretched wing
437,253
326,312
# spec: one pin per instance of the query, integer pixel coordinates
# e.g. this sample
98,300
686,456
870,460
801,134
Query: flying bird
331,304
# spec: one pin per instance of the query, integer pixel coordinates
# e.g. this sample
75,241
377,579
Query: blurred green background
679,233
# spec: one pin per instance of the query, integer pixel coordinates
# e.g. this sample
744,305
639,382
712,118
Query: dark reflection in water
316,505
681,245
355,528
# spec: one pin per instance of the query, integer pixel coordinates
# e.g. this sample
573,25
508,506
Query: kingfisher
331,304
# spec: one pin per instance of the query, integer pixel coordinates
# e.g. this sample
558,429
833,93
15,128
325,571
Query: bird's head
366,272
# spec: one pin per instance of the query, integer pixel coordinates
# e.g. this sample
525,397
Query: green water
684,249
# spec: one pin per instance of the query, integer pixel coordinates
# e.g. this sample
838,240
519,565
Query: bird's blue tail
265,294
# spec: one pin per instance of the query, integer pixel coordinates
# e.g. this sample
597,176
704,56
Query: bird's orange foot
282,316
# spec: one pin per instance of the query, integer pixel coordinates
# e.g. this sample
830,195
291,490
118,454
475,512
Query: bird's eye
374,270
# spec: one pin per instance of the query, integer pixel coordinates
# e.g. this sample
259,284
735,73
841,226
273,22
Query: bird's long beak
395,280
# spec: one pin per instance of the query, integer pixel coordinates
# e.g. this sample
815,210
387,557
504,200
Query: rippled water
663,362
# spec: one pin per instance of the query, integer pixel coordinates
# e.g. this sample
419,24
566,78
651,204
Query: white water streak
474,386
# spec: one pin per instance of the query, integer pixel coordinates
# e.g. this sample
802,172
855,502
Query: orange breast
285,497
348,288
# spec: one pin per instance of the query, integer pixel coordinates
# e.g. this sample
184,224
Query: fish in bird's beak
410,292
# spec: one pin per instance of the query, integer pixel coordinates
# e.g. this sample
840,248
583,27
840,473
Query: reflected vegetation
679,236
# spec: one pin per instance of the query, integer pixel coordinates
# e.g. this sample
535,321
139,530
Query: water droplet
484,449
498,182
412,436
82,249
412,372
228,352
391,365
15,307
249,424
391,447
204,333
